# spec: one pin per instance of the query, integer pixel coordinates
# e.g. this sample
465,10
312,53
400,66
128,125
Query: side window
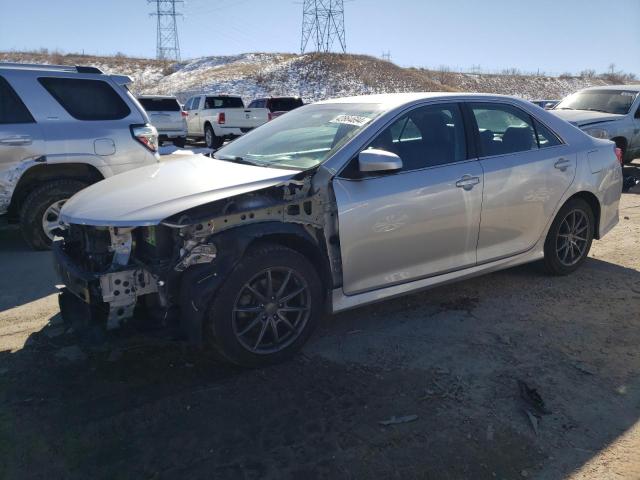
546,138
12,110
86,99
503,129
187,106
425,137
195,105
253,104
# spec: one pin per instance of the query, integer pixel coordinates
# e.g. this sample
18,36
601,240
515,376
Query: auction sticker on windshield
355,120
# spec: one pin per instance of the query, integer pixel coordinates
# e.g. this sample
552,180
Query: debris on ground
535,421
397,420
454,390
532,398
585,368
72,353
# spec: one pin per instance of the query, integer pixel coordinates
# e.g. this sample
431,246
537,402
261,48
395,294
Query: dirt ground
147,408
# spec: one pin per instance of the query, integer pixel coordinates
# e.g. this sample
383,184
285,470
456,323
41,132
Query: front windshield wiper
236,159
596,110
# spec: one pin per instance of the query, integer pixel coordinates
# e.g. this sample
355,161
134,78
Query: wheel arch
200,283
594,203
39,174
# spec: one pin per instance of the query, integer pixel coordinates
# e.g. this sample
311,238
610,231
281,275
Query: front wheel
40,212
569,239
267,308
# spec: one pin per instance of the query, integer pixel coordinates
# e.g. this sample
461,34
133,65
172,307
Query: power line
168,43
386,56
323,25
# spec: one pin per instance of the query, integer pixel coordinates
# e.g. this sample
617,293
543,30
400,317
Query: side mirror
374,160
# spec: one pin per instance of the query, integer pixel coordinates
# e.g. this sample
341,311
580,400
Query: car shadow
443,364
22,266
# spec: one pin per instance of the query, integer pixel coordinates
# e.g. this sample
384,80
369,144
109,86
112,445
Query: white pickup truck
219,117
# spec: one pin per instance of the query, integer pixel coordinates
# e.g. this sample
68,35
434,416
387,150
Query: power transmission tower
168,44
323,24
386,56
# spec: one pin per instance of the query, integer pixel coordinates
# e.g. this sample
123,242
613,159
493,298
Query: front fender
199,283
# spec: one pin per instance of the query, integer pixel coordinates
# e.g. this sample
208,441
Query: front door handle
562,164
16,141
467,182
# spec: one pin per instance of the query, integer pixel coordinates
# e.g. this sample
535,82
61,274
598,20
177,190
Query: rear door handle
16,141
562,164
468,182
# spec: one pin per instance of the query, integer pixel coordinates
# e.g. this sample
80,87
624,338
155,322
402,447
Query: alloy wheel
271,310
51,217
573,237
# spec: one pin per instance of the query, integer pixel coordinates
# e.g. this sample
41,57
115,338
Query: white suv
63,128
167,116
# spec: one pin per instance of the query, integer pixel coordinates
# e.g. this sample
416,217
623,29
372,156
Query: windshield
607,101
303,138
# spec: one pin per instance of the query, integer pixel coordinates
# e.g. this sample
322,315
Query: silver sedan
338,204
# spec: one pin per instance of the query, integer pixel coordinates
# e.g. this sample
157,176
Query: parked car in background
611,112
546,104
336,204
216,118
63,128
277,105
167,115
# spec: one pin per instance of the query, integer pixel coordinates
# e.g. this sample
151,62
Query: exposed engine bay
173,268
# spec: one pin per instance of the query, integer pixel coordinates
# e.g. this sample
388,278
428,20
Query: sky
551,36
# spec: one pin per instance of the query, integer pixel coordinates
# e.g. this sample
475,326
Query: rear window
12,110
160,104
86,99
284,104
223,102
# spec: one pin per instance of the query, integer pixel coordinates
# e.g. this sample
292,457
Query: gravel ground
445,362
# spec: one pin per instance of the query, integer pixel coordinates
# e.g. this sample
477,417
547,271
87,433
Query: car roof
392,100
170,97
625,88
50,68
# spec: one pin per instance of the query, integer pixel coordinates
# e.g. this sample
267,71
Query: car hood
148,195
585,117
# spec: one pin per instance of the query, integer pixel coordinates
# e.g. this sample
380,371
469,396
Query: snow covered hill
310,76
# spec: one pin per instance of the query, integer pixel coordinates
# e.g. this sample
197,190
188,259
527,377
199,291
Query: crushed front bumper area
113,293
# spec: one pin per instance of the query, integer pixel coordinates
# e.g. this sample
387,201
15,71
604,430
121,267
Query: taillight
618,154
184,114
221,118
147,135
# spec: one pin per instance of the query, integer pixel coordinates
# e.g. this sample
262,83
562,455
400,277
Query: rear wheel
267,308
211,139
40,212
569,239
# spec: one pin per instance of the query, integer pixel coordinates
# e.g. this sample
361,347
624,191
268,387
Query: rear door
418,222
20,140
527,169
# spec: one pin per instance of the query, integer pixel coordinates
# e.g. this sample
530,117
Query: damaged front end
170,271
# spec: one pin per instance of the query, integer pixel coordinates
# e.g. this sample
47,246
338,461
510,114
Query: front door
417,222
527,170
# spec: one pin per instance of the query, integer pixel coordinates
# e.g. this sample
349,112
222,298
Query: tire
36,204
235,308
569,239
210,138
180,142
